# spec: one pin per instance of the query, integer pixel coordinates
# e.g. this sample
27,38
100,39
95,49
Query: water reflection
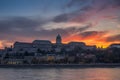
61,74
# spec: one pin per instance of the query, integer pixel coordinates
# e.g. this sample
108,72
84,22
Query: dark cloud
117,2
76,3
89,33
75,30
15,28
107,4
18,23
87,4
92,34
115,38
65,17
87,9
64,32
61,18
24,29
84,28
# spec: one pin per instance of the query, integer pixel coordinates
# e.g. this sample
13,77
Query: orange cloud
1,44
100,39
4,44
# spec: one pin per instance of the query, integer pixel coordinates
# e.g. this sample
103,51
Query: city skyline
94,22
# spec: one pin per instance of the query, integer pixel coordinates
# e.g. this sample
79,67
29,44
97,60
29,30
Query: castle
46,45
44,51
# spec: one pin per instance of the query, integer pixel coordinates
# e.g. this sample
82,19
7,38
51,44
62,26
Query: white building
23,47
73,45
44,45
32,47
114,46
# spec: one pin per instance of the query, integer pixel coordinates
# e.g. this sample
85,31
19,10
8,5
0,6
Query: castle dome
58,39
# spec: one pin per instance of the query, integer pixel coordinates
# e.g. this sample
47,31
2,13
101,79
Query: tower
58,39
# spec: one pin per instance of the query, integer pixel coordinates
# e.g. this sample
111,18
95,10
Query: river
60,74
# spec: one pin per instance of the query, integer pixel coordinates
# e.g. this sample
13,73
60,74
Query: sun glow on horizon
88,42
97,44
1,45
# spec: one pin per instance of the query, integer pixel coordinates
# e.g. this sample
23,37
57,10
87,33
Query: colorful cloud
95,22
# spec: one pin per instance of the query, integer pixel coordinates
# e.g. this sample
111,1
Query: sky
95,22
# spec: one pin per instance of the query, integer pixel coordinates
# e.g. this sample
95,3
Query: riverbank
101,65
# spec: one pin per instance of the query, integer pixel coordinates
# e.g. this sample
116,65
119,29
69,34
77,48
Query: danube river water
60,74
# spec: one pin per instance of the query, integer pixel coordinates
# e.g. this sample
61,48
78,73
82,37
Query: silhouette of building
40,51
58,39
114,46
44,45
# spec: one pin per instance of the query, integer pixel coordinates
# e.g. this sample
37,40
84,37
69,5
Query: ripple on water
60,74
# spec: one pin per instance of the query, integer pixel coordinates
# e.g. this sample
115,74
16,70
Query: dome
58,39
58,36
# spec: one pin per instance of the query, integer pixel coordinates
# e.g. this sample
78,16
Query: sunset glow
95,22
